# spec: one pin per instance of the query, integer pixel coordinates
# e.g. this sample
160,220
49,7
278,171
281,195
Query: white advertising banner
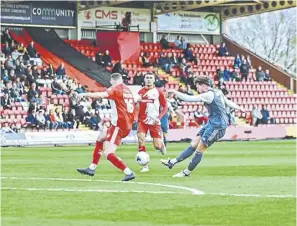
190,22
91,18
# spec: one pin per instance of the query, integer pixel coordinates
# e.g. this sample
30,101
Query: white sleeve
170,108
204,97
231,104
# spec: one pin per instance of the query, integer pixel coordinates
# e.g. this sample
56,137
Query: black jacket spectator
6,50
118,68
6,37
99,59
107,59
6,101
244,69
31,50
267,75
164,43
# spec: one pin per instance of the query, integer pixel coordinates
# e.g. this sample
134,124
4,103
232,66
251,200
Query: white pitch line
91,190
192,190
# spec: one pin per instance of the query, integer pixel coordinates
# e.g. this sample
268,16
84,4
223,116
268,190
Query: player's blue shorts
165,123
209,134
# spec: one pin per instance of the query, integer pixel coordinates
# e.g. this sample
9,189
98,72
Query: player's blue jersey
218,116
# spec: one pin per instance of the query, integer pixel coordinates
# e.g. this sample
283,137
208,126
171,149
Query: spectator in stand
256,116
33,91
13,46
35,72
51,70
67,121
44,73
6,101
184,70
31,119
30,78
164,43
80,89
36,99
184,44
61,71
144,59
138,79
7,37
223,51
6,50
189,90
21,48
244,69
234,75
2,67
56,87
178,42
227,74
107,59
26,57
9,64
189,55
20,86
16,94
71,118
267,76
99,59
5,76
95,120
60,119
237,61
248,61
53,118
265,114
119,68
174,103
40,119
260,75
7,88
48,123
220,74
174,61
32,51
164,62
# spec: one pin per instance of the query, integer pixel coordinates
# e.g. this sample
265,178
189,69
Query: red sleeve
112,93
163,104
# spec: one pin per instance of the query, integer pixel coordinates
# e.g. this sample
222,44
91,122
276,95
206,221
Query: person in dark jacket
61,71
6,49
31,50
244,69
99,59
6,101
189,55
223,51
33,91
260,75
119,68
7,37
107,59
138,79
164,43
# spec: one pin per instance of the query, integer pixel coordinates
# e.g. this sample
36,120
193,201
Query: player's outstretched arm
233,105
100,95
205,97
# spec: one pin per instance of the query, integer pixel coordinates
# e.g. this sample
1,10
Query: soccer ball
142,158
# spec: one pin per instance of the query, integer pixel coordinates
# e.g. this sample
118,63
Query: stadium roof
228,8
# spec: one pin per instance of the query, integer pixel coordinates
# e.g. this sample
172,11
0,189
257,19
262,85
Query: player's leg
186,153
96,154
209,137
156,134
141,133
112,142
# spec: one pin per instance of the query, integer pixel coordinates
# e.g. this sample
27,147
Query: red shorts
116,134
155,130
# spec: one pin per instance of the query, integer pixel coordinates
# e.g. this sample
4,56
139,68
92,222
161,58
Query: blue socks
195,161
185,154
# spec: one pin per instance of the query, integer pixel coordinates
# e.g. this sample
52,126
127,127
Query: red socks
116,161
97,152
141,148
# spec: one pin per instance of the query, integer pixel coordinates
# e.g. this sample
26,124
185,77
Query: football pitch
237,183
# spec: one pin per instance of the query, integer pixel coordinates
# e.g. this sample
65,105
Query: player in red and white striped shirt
152,107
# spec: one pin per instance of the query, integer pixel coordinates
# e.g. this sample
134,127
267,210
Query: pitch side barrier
175,135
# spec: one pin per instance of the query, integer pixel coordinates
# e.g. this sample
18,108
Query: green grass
251,168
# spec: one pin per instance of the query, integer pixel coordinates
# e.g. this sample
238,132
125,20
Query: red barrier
49,58
121,45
